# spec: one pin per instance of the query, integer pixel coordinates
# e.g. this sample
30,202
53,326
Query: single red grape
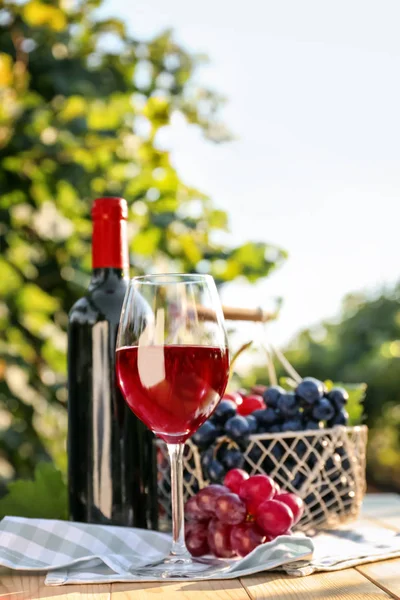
234,396
234,479
230,509
251,403
191,526
196,536
193,512
256,490
245,537
274,517
294,502
206,498
219,539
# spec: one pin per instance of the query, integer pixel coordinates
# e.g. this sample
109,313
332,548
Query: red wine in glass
172,389
172,367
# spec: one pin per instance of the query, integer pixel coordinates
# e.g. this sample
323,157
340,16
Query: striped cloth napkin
80,553
348,546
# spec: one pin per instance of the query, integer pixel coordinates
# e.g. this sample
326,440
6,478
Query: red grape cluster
232,519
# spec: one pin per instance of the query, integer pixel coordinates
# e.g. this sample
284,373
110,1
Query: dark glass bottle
111,460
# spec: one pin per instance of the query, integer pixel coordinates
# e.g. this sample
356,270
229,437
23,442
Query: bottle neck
109,245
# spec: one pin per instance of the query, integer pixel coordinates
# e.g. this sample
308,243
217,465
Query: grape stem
224,440
271,350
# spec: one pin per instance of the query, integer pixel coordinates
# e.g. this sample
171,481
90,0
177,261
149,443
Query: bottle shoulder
99,304
82,311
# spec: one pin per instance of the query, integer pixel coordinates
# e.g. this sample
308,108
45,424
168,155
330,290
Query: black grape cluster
309,407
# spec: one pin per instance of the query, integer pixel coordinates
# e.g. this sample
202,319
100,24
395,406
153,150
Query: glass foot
174,567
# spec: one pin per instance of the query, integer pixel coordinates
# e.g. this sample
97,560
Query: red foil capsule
109,247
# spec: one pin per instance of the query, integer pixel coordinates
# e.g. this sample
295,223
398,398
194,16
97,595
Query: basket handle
231,313
271,351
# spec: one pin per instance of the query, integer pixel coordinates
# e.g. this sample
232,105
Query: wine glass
172,367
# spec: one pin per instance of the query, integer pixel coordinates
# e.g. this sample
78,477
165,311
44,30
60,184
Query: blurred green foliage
363,344
45,497
85,111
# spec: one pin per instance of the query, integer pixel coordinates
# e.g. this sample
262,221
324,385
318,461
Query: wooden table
374,581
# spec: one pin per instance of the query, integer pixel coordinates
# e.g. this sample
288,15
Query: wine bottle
111,457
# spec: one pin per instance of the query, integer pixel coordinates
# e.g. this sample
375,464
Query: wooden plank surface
384,511
31,587
384,574
339,585
228,589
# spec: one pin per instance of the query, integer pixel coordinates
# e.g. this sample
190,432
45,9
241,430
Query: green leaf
355,406
287,383
190,248
157,110
6,70
39,14
146,242
54,355
43,498
34,299
111,26
73,108
218,219
10,281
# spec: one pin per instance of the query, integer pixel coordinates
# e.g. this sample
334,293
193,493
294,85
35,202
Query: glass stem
178,549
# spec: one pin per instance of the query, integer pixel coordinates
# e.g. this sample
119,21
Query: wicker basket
304,462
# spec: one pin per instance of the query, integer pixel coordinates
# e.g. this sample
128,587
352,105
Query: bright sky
314,100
